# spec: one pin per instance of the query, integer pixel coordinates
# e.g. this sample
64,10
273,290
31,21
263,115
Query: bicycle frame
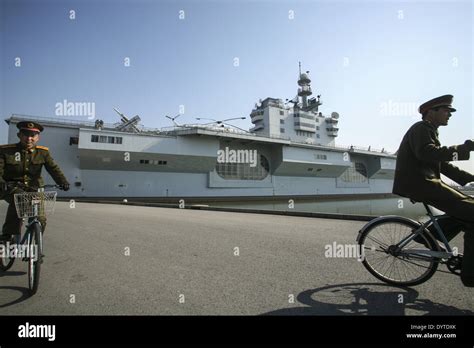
439,231
26,238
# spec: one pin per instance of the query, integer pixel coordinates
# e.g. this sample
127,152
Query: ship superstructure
298,119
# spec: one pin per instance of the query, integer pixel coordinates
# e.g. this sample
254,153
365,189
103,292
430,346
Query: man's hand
65,186
470,144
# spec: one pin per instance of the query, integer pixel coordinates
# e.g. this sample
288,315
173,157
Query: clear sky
371,61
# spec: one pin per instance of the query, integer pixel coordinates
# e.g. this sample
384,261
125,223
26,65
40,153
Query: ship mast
305,86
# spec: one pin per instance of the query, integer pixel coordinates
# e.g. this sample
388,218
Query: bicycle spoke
390,263
377,241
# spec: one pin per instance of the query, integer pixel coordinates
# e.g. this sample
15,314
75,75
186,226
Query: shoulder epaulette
42,147
7,146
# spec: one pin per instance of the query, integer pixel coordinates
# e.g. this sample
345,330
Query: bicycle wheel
393,266
6,260
35,257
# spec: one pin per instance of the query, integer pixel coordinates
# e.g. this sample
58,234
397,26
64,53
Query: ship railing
192,129
57,120
363,148
80,123
182,130
217,131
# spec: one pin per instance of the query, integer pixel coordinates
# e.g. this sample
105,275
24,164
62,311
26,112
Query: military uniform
420,161
17,163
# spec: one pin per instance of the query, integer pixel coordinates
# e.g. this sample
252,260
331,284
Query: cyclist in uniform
22,162
420,161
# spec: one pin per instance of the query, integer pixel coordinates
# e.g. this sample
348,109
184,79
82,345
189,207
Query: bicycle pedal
454,265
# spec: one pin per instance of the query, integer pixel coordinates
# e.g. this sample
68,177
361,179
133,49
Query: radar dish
334,115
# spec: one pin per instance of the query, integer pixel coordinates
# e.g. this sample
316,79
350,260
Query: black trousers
461,208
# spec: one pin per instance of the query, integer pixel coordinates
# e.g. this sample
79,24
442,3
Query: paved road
116,259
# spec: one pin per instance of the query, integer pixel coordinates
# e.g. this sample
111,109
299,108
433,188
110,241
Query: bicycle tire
34,263
393,229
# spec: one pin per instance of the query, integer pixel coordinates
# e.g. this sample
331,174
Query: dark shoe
468,281
454,264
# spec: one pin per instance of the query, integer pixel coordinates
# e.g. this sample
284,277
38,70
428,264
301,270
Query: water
373,207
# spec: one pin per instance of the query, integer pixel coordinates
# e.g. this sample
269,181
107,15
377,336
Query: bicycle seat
428,210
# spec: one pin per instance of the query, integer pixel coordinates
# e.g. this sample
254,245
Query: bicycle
402,251
29,205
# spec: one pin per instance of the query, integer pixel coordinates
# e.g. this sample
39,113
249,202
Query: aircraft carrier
289,152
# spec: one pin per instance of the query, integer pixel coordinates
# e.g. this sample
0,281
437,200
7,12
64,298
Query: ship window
282,121
356,173
317,136
304,124
155,162
114,140
243,171
281,112
73,140
309,117
282,130
103,139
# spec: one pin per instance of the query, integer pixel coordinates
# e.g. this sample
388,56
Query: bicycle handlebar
51,186
19,184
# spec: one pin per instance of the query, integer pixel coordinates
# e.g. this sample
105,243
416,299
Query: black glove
469,144
65,186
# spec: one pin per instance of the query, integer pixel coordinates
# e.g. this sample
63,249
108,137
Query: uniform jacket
20,164
420,161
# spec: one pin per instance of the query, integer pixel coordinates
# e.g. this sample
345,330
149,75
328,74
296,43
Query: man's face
440,117
28,138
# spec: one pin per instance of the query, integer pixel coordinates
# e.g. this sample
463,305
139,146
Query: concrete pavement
118,259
